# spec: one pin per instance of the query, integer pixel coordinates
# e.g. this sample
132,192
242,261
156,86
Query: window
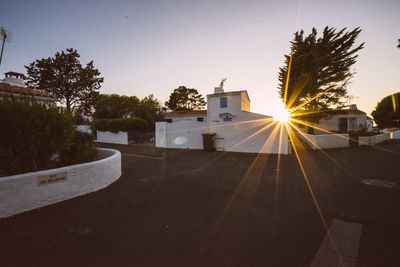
223,102
200,119
227,118
169,120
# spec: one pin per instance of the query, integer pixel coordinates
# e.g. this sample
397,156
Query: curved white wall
23,192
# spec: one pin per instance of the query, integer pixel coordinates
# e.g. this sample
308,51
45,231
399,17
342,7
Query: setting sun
281,115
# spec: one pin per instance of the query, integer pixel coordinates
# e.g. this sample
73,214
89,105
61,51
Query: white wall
185,134
213,106
254,134
326,141
373,139
84,128
19,193
113,138
161,134
248,132
395,134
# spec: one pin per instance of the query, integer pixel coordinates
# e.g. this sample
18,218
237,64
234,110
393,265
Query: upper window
223,102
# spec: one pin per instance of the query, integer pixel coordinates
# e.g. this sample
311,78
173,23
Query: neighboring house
341,121
228,116
14,85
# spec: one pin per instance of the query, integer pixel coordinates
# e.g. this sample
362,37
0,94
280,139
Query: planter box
113,138
23,192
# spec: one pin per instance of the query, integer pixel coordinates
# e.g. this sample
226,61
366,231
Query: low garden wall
373,139
84,128
325,141
113,138
395,134
23,192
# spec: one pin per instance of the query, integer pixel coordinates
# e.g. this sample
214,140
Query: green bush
123,125
33,137
80,150
100,124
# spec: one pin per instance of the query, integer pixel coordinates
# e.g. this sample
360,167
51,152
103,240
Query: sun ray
321,150
311,191
240,185
287,78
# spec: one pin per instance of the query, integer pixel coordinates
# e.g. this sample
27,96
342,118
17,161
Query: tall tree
319,69
115,106
183,98
64,78
387,112
150,110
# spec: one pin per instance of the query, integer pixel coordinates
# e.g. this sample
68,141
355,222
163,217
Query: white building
342,121
228,116
13,85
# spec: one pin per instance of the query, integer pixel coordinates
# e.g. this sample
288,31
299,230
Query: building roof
349,112
231,93
14,74
330,112
185,113
26,91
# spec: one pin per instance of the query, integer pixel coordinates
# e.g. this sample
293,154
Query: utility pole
5,37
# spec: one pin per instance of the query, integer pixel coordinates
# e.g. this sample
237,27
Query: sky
154,46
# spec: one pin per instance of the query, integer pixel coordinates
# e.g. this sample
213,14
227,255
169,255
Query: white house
341,121
14,85
228,116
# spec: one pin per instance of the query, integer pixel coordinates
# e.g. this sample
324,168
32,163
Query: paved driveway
192,208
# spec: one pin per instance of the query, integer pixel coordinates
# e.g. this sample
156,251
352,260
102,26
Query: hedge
123,125
33,138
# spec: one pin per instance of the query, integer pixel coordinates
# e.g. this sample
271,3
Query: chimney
14,78
218,90
353,107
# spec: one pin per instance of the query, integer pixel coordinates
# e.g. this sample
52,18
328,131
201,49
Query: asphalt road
193,208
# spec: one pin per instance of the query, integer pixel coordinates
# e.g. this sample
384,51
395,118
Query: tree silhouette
185,99
387,112
115,106
319,69
64,78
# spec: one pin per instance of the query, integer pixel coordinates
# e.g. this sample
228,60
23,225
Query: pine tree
319,69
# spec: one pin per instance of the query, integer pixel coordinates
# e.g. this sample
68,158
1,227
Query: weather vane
351,98
223,80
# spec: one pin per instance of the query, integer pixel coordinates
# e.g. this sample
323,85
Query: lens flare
282,115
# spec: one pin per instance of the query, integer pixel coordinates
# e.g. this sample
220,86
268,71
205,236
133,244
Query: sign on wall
53,178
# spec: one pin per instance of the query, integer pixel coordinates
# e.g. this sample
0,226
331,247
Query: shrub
100,124
32,135
124,125
80,150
